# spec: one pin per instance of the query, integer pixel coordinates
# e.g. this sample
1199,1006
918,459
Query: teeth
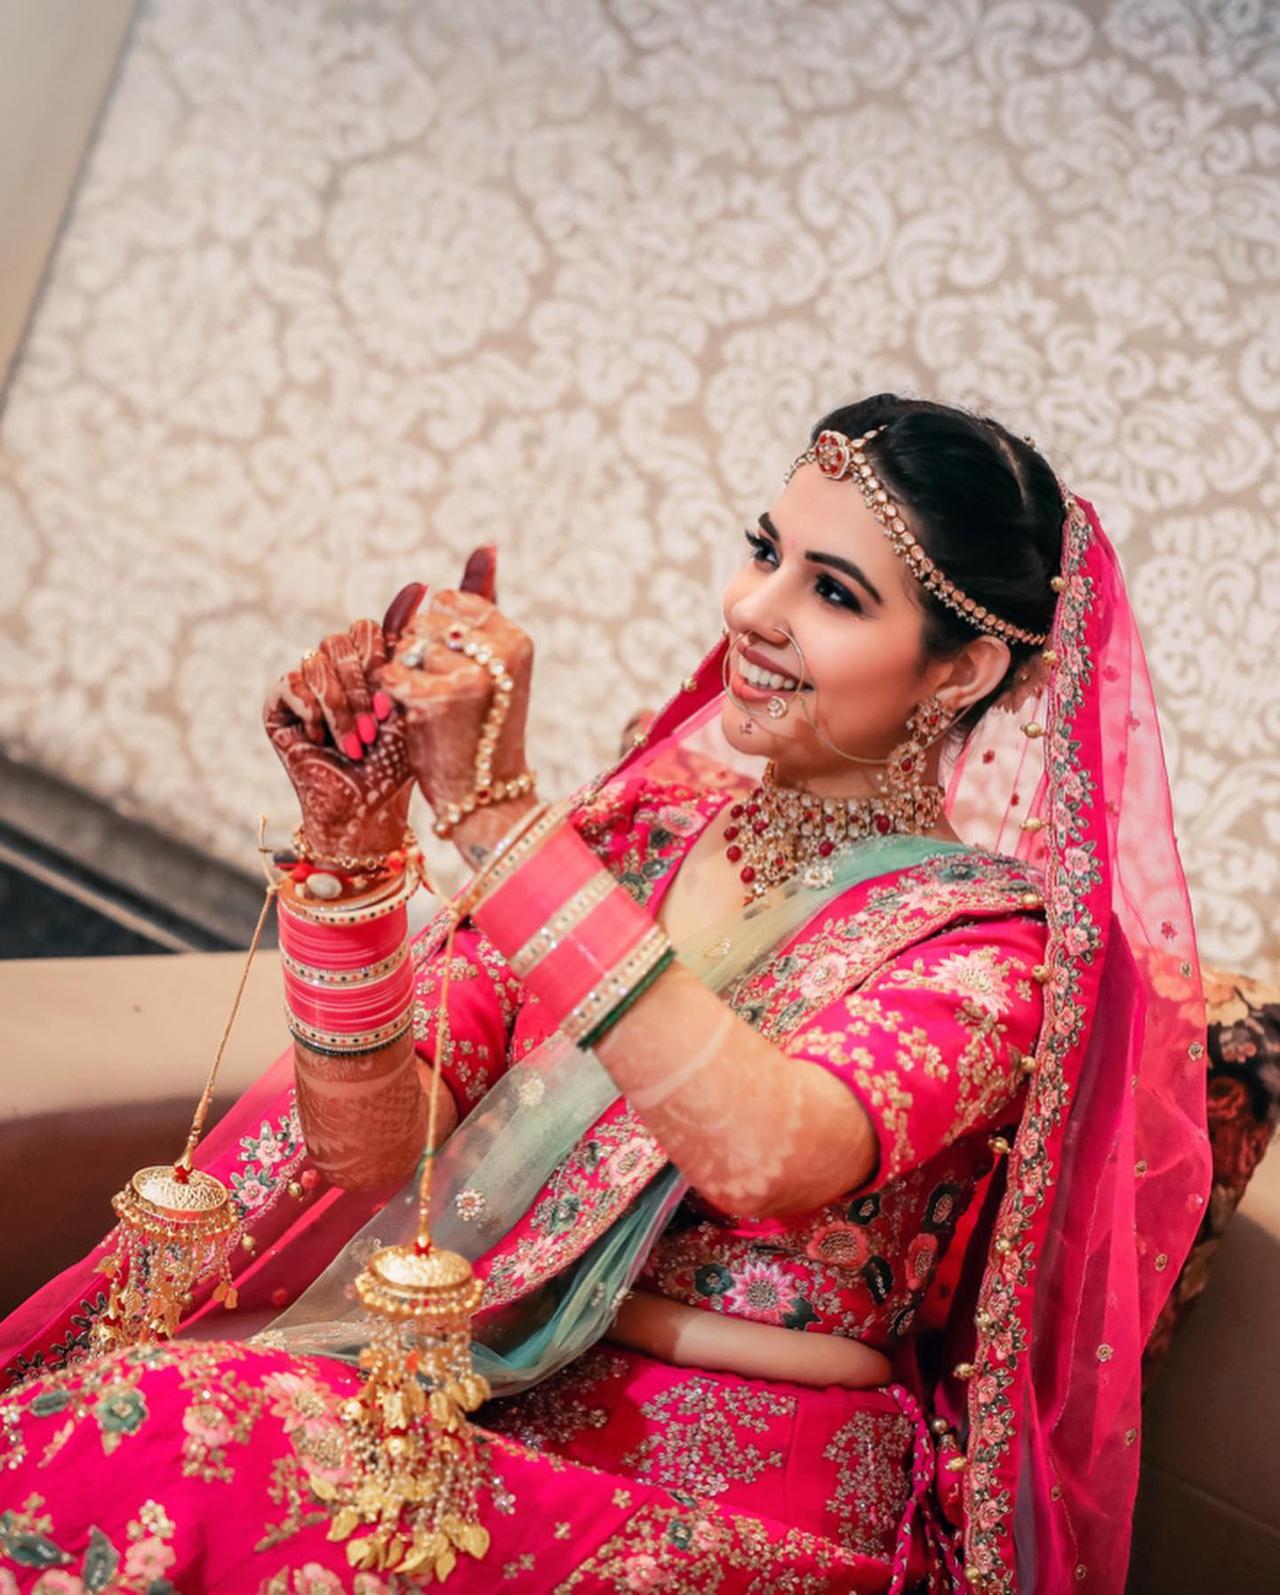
767,680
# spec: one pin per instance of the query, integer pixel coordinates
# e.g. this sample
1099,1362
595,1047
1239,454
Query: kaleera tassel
176,1225
416,1467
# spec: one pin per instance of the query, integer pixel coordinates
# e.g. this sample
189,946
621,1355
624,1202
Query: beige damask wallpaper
348,287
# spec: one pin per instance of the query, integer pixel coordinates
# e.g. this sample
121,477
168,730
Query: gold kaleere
176,1225
416,1467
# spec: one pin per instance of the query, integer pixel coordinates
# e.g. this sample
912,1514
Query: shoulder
643,828
957,885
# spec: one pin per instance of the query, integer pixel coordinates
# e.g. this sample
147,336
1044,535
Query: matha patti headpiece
837,457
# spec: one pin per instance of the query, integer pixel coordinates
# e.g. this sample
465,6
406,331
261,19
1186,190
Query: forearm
756,1132
349,998
364,1117
479,833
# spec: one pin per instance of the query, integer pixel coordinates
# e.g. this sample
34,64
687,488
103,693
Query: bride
831,1122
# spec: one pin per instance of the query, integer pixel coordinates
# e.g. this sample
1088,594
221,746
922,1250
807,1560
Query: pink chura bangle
581,950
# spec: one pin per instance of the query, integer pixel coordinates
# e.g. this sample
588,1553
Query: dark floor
52,907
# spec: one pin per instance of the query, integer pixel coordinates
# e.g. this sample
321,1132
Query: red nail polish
367,726
352,746
381,705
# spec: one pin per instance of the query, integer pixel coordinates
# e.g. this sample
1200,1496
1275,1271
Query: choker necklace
777,832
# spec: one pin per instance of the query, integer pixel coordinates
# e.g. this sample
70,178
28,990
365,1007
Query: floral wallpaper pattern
350,285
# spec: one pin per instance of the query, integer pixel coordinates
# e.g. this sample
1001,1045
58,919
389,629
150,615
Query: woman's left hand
447,696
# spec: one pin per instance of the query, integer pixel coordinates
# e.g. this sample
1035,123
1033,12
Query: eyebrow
835,561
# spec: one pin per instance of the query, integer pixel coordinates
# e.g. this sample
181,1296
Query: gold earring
914,803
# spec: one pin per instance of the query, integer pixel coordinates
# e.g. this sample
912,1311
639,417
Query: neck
848,780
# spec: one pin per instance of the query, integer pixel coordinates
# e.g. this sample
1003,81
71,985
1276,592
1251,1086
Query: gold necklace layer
777,832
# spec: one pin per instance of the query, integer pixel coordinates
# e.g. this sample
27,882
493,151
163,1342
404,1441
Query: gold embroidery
872,1454
690,1550
554,1413
698,1446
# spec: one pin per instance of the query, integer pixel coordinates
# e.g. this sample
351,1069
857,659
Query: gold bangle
617,984
349,1041
348,861
379,909
569,914
363,975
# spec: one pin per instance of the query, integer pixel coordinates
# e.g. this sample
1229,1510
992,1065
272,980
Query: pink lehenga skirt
192,1467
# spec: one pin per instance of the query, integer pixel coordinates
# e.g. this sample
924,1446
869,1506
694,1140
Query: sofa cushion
1243,1085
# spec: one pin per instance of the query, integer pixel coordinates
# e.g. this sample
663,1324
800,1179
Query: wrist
477,834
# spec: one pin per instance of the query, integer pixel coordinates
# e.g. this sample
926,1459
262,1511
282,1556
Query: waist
691,1338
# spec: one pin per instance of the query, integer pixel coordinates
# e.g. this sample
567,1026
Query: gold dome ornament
416,1468
416,1465
175,1230
176,1223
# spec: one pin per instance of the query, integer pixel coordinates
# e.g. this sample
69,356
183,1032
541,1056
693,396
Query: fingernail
368,728
352,746
381,706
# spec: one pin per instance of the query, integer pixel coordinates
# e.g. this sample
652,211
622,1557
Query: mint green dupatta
507,1154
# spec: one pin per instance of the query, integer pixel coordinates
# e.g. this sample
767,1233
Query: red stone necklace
777,832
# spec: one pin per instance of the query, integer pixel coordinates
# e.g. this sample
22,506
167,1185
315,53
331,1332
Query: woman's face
820,567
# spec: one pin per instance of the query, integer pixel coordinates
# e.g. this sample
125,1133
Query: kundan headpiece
837,456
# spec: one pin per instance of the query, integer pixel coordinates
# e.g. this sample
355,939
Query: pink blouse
916,990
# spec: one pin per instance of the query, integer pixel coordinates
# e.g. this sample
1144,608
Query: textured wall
348,287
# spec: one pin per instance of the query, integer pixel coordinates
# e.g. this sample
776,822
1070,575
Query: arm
874,1084
363,1112
877,1082
758,1133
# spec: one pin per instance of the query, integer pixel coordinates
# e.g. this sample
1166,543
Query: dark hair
986,508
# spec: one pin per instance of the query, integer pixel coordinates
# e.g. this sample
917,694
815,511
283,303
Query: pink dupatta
1106,1181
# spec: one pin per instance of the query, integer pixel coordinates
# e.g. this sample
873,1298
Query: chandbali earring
906,795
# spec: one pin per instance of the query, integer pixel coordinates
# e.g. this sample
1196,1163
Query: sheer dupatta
1107,1178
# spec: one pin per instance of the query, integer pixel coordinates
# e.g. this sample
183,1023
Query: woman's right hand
341,739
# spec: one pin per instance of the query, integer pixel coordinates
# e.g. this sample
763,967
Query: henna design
364,1118
350,805
445,696
341,738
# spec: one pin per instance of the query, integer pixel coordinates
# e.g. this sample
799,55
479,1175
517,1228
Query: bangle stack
348,978
572,934
486,790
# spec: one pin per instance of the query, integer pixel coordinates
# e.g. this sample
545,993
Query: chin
761,741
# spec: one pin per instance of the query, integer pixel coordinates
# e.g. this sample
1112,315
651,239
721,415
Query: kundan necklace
777,832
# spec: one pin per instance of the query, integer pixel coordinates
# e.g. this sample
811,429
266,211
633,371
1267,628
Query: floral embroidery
760,1291
590,1187
698,1444
657,819
890,918
270,1160
857,1267
26,1539
690,1549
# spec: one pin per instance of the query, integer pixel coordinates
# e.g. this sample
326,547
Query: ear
968,676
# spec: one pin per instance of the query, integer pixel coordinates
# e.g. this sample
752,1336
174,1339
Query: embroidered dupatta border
1000,1358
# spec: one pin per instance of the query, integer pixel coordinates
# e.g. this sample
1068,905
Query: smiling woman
735,1040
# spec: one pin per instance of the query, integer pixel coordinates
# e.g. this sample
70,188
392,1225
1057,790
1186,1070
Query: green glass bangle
642,985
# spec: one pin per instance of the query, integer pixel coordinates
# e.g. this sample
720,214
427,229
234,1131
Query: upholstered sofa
104,1059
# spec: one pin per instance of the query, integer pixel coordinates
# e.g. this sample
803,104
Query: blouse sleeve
483,998
933,1045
